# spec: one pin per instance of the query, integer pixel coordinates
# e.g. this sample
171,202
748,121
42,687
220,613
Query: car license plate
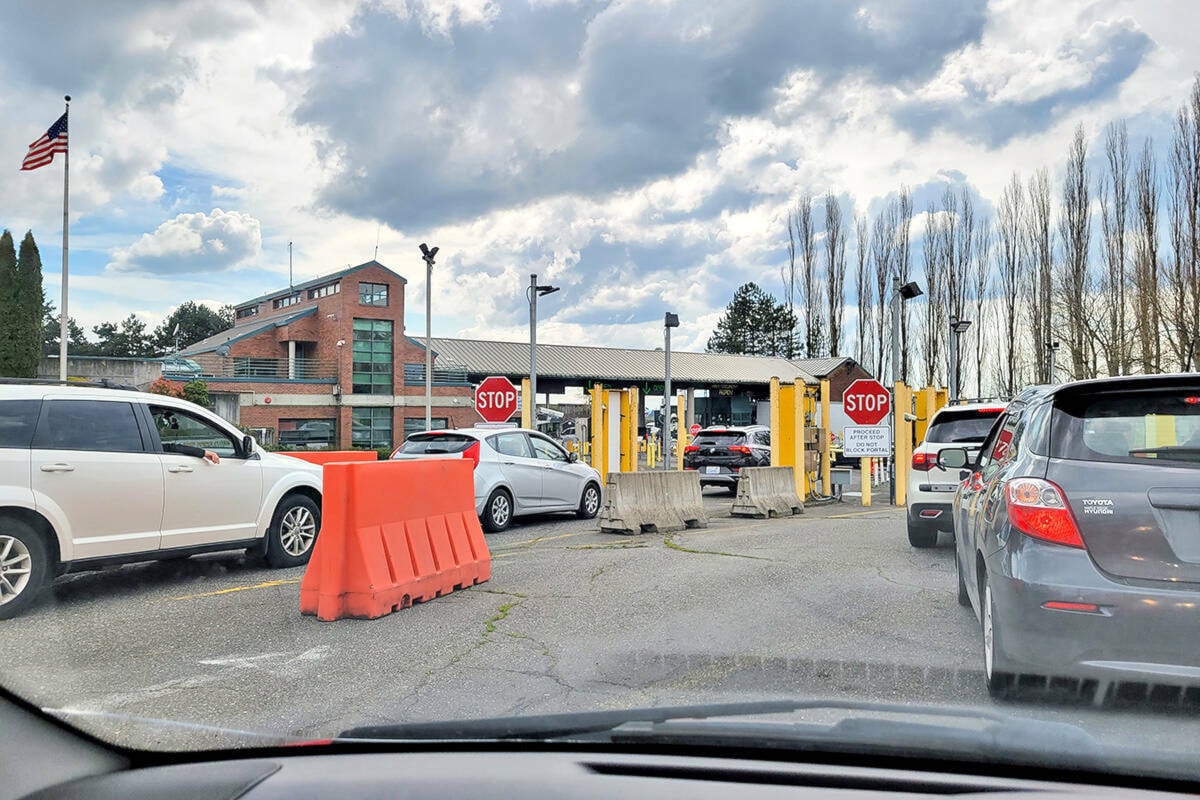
712,470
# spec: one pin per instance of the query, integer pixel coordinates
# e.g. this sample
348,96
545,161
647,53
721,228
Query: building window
248,311
373,294
372,427
307,432
324,291
372,356
290,300
417,425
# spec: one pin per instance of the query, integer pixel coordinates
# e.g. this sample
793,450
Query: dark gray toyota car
1077,537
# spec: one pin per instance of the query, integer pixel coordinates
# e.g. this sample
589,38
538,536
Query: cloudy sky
640,155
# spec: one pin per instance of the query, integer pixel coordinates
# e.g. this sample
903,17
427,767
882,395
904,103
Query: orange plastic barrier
393,533
333,456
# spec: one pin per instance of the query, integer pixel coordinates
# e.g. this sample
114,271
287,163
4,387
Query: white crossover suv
91,476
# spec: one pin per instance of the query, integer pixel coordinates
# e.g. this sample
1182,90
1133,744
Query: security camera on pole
427,255
900,294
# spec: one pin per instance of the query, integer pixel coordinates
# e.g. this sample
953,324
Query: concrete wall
139,372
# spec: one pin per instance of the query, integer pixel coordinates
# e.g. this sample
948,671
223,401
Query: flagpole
62,328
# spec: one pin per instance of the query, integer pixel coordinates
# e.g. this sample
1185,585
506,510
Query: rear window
1151,427
960,427
719,438
436,443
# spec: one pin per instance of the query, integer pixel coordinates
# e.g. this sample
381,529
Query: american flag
53,141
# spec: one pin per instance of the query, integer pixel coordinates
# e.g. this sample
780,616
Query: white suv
931,489
91,476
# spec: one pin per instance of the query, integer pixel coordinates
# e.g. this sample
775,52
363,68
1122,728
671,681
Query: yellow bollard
827,445
864,471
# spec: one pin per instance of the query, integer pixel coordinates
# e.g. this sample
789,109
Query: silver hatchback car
517,472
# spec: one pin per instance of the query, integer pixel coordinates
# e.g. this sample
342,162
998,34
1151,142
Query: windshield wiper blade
550,726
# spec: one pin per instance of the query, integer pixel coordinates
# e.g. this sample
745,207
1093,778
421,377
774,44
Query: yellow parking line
263,585
855,514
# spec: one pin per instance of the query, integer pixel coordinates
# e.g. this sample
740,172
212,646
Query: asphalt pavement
830,604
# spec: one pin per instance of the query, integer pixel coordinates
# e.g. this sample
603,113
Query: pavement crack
672,544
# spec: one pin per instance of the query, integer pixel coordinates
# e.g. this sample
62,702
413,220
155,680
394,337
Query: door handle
60,467
180,468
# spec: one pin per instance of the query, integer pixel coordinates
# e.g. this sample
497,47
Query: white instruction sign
866,441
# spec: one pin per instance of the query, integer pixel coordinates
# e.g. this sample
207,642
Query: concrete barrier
652,502
766,492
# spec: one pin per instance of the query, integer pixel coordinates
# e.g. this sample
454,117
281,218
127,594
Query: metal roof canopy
584,365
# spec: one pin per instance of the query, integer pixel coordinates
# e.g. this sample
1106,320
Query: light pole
957,328
533,292
427,254
1052,349
900,294
669,321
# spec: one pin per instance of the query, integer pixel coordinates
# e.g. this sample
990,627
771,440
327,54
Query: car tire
498,511
24,566
999,684
964,599
293,531
589,502
921,536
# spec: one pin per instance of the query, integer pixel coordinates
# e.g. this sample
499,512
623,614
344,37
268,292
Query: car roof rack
101,383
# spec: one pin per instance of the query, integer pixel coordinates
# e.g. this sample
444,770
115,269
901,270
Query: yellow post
798,438
826,451
904,431
682,439
864,472
776,433
598,429
634,401
623,424
526,405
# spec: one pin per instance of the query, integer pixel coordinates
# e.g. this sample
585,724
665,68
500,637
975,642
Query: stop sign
694,430
866,402
495,399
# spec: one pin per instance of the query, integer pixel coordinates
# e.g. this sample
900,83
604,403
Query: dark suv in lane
719,453
1078,536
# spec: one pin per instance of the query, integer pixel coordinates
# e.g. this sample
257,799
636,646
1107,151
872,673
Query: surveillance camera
910,417
341,342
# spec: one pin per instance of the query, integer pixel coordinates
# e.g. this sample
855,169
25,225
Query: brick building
327,362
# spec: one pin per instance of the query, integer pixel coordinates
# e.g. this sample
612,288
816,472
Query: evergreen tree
755,324
129,340
27,309
195,321
8,312
77,341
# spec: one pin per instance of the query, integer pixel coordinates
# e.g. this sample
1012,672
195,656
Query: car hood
296,464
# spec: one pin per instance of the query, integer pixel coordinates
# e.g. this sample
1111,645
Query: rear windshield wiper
1178,448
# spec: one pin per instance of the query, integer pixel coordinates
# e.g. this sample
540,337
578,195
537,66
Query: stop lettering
495,399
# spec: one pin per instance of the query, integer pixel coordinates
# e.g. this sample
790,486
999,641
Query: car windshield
380,363
436,443
961,426
719,438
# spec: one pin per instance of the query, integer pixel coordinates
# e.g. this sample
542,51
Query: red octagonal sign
866,402
495,399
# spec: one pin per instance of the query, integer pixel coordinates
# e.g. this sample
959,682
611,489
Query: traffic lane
840,607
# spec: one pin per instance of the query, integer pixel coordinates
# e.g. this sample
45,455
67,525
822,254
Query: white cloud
192,243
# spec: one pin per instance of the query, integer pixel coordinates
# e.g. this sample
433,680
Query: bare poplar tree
788,273
882,234
810,283
1113,194
863,290
835,284
1182,308
960,244
1074,280
935,258
1011,235
980,286
1146,267
1039,241
903,261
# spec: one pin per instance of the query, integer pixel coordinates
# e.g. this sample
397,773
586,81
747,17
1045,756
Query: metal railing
442,376
267,369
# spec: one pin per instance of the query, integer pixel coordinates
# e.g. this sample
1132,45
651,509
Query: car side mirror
572,458
952,458
248,445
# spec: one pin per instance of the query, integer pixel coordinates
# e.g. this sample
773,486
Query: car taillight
923,462
472,453
1038,508
739,448
691,448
